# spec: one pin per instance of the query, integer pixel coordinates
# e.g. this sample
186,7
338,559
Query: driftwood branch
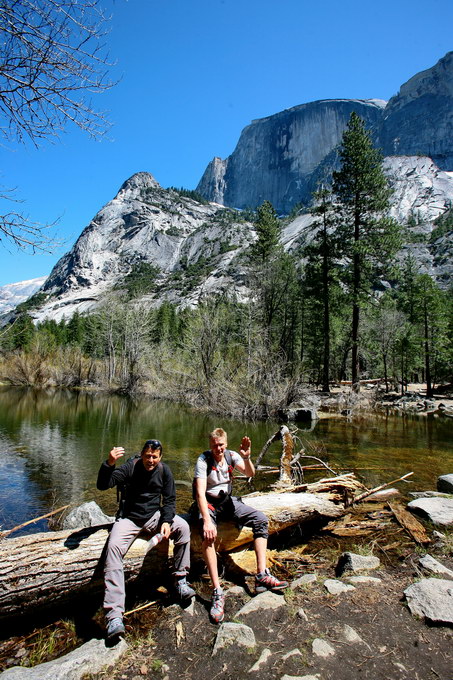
4,534
275,437
362,496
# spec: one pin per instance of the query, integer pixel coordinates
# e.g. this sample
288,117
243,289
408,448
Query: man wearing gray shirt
213,485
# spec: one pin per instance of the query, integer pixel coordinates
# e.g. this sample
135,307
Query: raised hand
246,447
116,453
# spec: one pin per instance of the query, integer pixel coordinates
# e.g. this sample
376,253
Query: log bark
45,570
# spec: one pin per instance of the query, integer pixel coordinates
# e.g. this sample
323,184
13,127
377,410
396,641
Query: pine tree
369,238
321,256
267,227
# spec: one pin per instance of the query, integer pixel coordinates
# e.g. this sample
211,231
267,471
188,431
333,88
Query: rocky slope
283,157
196,249
190,245
14,293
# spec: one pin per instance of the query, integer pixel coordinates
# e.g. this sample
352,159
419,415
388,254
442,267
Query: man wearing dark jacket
149,506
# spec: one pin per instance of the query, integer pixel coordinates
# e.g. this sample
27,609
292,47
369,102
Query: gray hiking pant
123,534
243,515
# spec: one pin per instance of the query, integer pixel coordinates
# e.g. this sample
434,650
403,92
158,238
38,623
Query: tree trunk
46,570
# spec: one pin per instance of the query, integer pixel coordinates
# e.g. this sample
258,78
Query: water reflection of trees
53,441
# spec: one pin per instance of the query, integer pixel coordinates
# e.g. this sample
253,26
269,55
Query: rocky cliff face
282,158
276,156
199,249
419,119
190,245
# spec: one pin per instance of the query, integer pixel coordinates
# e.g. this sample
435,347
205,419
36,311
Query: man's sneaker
265,581
115,627
217,605
183,590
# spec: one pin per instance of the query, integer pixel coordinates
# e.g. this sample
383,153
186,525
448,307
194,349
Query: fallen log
45,570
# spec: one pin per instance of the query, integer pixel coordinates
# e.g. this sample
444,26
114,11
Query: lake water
52,444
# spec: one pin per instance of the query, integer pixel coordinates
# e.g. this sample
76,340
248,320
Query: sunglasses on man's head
153,443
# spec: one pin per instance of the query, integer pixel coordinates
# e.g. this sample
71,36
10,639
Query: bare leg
260,545
210,557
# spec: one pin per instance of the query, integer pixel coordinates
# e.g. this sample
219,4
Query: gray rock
303,581
348,634
234,634
264,658
349,561
266,600
91,657
439,535
301,614
86,515
293,652
370,580
431,598
445,483
235,590
335,587
438,510
428,494
434,566
322,648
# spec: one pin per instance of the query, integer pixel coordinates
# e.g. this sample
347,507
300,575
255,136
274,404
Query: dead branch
3,534
357,499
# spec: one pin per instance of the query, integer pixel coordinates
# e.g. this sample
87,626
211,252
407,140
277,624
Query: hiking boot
183,590
115,627
217,605
265,581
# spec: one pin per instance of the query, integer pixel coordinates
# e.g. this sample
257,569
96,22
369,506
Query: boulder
431,598
438,510
303,581
89,658
434,566
337,587
86,515
445,483
236,634
349,561
266,600
265,655
322,648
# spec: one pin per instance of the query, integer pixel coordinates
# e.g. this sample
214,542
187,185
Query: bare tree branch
53,58
52,55
17,228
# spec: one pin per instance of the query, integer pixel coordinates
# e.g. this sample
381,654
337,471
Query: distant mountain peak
135,185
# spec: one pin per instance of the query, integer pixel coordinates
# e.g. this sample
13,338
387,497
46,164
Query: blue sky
193,73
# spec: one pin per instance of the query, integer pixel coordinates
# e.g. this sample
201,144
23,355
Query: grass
47,645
